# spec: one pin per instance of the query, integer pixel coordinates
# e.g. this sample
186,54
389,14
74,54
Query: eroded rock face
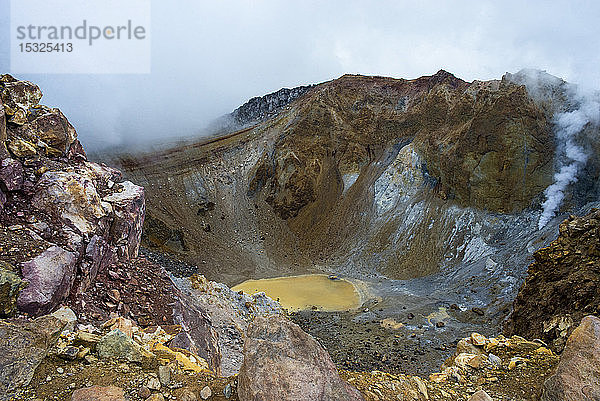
212,315
281,362
577,376
562,283
478,140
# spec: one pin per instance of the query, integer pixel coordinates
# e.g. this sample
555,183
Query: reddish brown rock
282,362
50,276
98,393
577,376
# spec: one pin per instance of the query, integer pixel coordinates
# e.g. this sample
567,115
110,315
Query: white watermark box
80,36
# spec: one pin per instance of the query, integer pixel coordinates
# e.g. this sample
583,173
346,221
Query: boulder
577,376
10,286
480,396
66,315
23,346
11,174
282,362
98,393
128,209
117,344
50,276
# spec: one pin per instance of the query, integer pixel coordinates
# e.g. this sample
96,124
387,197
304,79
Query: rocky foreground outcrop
79,214
562,284
577,376
282,362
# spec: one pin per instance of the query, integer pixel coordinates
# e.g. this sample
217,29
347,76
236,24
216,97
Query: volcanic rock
577,376
281,362
23,346
18,98
99,393
50,276
480,396
10,286
116,344
11,174
562,284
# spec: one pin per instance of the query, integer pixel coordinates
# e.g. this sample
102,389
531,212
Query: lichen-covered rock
211,307
50,276
18,98
10,286
577,376
281,362
11,174
117,344
71,196
562,284
23,346
52,127
21,148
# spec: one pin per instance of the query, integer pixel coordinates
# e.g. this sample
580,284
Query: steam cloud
569,127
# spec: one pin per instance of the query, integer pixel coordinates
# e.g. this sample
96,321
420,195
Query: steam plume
571,155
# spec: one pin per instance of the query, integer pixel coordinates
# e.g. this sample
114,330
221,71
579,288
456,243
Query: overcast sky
208,57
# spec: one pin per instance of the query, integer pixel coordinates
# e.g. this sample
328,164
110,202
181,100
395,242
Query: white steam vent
568,127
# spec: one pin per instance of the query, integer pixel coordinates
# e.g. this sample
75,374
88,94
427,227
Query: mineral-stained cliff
562,285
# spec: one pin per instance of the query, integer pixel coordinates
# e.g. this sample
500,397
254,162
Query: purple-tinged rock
3,135
129,206
50,276
11,174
